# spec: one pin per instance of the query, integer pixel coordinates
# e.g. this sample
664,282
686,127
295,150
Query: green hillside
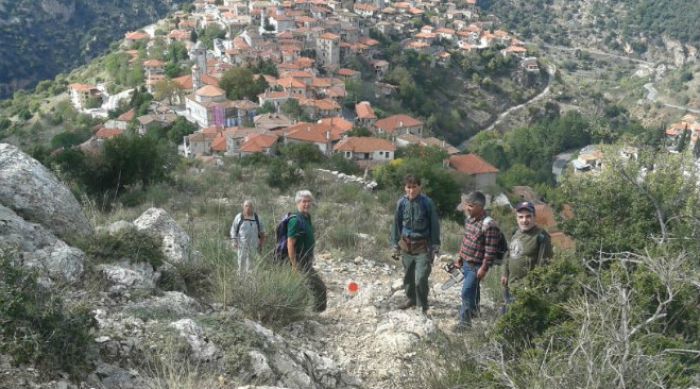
43,38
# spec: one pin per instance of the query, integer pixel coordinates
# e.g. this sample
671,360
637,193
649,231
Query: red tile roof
364,145
135,36
219,143
107,133
258,143
395,122
210,91
81,87
471,164
364,110
185,82
127,116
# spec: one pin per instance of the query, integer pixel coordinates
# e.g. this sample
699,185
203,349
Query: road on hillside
653,96
551,70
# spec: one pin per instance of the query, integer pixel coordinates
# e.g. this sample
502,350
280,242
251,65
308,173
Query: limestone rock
127,276
173,303
202,349
36,195
114,377
177,245
40,249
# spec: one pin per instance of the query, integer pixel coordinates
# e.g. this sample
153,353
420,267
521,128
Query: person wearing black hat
529,247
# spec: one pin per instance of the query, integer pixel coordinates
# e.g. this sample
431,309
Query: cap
525,206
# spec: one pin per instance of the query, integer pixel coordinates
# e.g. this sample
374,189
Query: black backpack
281,254
502,245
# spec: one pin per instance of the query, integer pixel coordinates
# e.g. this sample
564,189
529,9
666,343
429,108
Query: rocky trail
366,334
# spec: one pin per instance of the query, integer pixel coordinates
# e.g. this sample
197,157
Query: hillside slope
43,38
647,28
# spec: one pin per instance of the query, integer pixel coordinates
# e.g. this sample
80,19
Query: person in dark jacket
415,237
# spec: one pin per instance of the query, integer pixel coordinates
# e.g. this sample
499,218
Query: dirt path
366,334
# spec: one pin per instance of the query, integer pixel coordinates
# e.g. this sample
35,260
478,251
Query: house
328,51
484,173
366,151
365,10
337,126
80,94
348,74
365,115
398,125
198,143
132,38
272,121
381,68
154,66
202,104
259,144
308,133
208,107
530,65
108,133
319,108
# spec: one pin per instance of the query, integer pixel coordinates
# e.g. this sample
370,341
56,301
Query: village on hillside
307,42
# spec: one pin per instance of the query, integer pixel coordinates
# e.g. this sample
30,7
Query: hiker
415,236
300,247
478,251
248,236
529,247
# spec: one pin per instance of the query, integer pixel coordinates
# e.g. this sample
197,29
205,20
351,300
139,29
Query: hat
525,206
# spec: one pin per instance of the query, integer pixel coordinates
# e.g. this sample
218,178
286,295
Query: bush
538,302
128,244
36,327
269,294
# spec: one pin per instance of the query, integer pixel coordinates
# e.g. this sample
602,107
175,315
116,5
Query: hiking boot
407,304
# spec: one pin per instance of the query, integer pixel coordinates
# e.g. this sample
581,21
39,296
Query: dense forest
43,38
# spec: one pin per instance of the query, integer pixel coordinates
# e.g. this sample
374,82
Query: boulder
201,348
36,195
40,249
176,244
129,276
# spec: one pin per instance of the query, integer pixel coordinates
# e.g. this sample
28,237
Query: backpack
257,223
502,245
281,253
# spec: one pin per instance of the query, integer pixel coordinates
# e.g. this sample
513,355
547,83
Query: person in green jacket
300,245
415,237
529,247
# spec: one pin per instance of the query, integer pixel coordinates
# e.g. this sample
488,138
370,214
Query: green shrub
36,327
538,303
128,244
269,294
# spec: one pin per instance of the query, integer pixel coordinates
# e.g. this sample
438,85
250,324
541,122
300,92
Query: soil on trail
365,333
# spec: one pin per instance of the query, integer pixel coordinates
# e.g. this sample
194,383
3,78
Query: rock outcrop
40,249
177,245
36,195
